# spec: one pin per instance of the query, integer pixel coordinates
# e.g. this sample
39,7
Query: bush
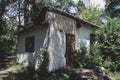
86,59
42,59
108,38
58,75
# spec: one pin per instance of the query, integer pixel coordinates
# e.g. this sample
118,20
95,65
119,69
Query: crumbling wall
59,26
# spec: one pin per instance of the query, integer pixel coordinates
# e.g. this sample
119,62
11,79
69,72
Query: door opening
70,48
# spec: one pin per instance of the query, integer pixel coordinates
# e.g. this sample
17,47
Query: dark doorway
70,48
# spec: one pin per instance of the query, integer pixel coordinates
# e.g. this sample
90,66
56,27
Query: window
92,38
29,44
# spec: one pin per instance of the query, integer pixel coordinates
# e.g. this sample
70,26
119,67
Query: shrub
86,59
108,38
59,75
42,59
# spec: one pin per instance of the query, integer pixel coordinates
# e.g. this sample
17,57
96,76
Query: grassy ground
115,75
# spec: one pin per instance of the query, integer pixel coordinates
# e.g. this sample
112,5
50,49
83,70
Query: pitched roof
48,8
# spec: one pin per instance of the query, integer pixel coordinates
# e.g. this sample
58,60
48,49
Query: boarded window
29,44
92,38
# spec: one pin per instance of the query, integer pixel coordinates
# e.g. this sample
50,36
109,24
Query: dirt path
4,61
5,69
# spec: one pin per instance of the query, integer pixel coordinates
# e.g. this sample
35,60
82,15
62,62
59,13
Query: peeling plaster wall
28,59
59,27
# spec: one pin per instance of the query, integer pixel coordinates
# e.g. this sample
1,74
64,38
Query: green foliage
92,14
80,56
43,74
115,75
108,38
95,56
106,52
63,5
18,68
2,21
58,76
45,2
8,40
88,60
7,30
42,59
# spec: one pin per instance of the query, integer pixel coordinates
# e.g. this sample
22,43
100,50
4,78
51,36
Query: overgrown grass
21,72
16,67
115,75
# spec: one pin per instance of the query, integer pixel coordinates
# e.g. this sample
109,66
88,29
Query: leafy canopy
93,14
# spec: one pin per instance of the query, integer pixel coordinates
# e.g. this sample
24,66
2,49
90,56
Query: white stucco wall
29,58
83,35
59,27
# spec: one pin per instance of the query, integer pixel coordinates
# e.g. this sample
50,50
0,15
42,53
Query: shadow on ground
61,74
30,74
4,61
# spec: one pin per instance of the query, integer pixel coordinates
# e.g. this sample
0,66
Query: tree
6,30
92,14
32,8
64,5
2,22
2,25
113,8
108,38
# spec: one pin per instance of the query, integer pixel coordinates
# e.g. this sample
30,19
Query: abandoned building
60,32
